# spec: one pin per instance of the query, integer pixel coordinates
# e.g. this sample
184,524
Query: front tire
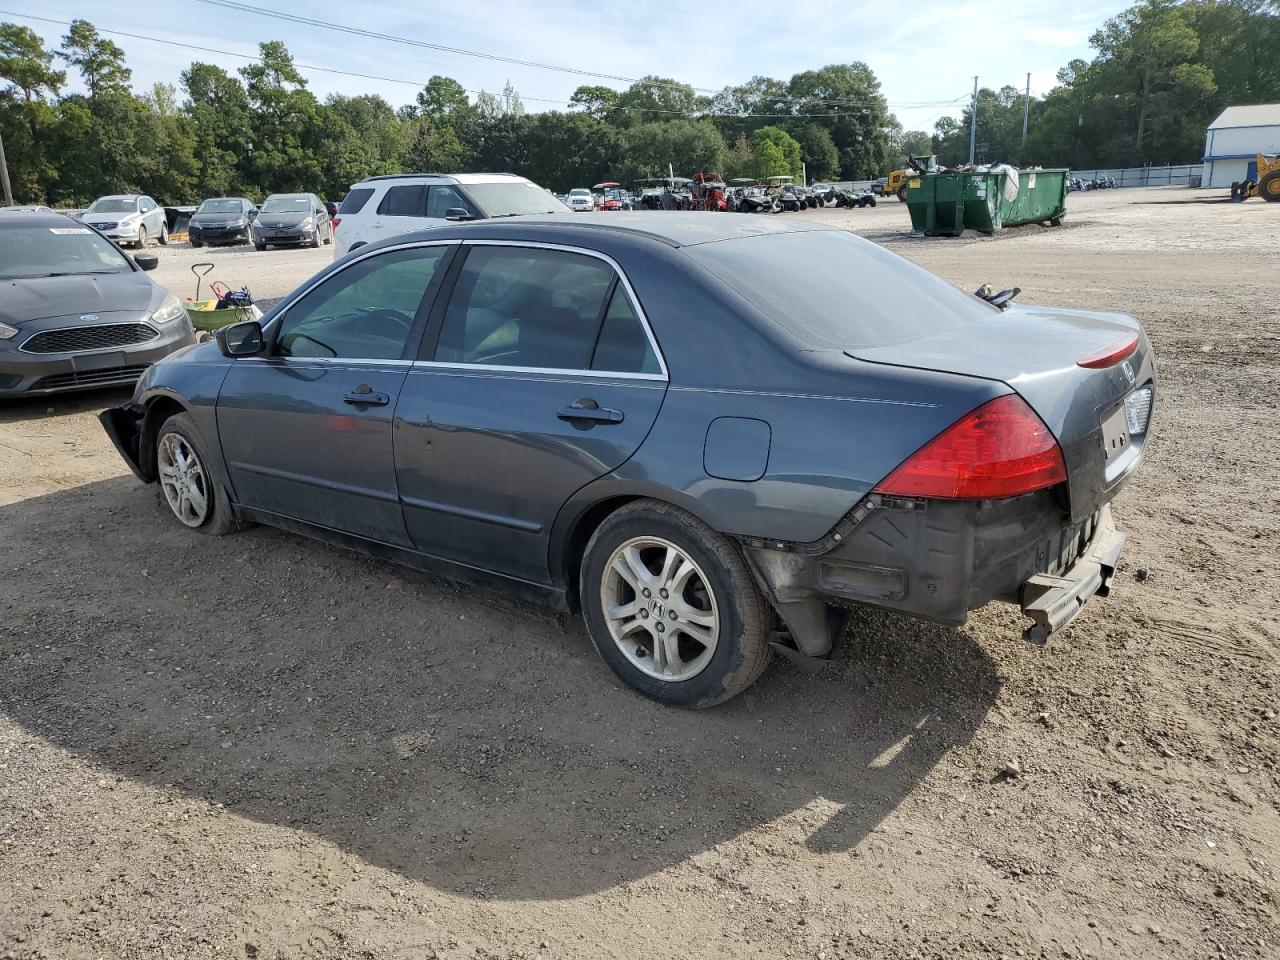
672,608
188,487
141,242
164,235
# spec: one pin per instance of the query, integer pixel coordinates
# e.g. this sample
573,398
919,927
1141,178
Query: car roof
288,196
121,196
673,228
36,218
447,177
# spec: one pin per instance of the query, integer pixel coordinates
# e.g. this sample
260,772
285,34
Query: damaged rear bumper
938,560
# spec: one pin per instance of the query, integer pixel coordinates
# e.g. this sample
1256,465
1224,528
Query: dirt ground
261,747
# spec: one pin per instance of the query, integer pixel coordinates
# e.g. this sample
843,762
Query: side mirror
252,214
458,213
146,261
242,339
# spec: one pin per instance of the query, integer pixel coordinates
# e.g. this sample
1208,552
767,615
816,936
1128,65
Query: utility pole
973,120
4,176
1026,109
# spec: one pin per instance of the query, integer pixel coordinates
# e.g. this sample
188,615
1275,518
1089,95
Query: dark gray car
602,414
75,312
222,220
291,219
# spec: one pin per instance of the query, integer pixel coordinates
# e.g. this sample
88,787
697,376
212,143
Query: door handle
588,410
364,395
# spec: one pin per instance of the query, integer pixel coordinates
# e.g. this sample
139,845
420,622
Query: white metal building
1235,139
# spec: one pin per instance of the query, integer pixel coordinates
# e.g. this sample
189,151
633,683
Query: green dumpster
1042,198
936,204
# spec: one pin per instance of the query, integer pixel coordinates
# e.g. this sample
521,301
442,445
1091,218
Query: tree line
1162,69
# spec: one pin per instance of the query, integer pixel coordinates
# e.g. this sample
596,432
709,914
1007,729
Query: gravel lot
262,747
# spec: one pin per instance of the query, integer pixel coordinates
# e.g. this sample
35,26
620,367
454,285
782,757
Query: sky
925,55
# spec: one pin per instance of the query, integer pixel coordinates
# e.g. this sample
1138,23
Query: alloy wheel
183,480
660,609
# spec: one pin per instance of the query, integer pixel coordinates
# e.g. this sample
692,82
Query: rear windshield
832,289
512,199
56,251
355,200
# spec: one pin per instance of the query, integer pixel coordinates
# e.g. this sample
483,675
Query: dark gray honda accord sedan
75,312
620,418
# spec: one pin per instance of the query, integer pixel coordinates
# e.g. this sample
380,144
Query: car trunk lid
1037,351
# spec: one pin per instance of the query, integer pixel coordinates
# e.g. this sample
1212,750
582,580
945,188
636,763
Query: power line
417,83
240,7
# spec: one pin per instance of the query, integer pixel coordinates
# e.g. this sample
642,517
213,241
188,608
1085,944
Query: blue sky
925,56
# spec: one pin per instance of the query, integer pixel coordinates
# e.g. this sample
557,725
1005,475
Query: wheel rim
142,237
183,480
660,609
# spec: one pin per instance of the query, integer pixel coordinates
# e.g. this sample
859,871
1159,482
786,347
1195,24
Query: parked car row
709,191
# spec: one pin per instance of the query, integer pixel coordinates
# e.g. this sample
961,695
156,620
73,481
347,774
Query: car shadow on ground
463,740
18,409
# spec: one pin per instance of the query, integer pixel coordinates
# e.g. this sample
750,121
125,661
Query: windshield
834,290
513,199
219,206
287,205
113,205
43,251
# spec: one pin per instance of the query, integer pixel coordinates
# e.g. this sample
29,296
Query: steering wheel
384,315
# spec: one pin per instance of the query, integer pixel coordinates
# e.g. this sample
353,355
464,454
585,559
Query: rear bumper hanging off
938,560
1052,602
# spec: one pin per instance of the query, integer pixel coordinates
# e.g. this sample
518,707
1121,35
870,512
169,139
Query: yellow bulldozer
1267,186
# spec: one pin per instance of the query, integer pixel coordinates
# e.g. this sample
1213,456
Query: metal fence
1181,175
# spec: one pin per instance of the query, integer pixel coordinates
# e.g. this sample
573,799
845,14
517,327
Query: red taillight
1111,354
1001,449
335,221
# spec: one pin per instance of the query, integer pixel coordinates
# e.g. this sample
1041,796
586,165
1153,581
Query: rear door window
355,200
623,345
408,200
525,307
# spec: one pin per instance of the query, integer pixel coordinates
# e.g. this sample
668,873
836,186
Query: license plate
97,361
1115,434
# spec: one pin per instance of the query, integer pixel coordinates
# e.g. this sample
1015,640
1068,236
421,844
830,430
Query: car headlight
169,311
129,220
307,224
7,332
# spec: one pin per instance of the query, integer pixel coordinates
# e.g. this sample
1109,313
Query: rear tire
189,490
705,639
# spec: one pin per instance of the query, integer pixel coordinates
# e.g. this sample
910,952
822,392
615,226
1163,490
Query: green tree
818,151
595,101
685,146
568,150
28,84
653,99
219,110
363,137
776,153
284,121
858,116
99,60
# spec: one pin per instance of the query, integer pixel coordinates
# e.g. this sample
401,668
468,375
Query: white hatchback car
384,206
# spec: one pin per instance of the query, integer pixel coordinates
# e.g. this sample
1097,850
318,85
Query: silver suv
384,206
